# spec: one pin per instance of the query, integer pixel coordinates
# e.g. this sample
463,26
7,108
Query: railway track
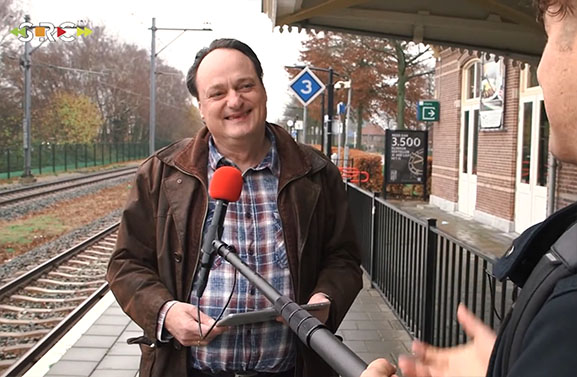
40,306
13,196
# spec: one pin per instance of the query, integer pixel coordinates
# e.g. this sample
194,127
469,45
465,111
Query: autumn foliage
364,162
389,77
96,89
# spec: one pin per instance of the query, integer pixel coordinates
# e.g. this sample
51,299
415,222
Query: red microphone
225,186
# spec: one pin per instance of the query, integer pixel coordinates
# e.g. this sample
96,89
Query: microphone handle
314,334
208,251
307,327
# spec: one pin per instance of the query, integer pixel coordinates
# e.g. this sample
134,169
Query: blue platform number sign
307,86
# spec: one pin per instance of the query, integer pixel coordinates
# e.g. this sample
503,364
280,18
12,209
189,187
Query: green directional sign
428,111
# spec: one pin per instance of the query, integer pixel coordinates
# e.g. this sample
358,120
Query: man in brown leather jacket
152,270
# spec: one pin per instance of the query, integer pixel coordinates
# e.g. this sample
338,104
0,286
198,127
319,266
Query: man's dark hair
565,7
216,44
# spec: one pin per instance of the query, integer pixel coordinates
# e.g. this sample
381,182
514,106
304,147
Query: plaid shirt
253,226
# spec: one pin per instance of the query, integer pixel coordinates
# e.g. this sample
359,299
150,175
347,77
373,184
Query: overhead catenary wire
106,73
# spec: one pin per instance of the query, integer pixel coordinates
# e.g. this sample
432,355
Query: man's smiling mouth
238,115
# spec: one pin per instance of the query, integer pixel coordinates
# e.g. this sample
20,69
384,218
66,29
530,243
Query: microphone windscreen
226,184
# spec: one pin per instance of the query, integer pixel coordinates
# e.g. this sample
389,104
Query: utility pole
27,176
304,124
344,138
152,115
330,112
323,124
347,120
153,55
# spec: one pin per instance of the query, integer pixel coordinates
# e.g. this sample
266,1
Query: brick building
499,175
373,138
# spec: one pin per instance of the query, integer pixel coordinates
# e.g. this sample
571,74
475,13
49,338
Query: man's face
231,97
557,75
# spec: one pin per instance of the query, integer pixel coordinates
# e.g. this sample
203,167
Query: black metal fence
424,273
63,157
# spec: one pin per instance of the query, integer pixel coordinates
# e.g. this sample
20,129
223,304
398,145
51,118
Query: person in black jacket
549,344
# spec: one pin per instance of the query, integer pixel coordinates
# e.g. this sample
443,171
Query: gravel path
34,257
46,251
11,212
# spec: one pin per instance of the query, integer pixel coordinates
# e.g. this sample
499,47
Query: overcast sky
130,20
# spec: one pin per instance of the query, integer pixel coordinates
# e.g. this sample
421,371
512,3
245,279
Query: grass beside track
25,233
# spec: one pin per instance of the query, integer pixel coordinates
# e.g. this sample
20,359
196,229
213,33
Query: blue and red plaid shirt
253,226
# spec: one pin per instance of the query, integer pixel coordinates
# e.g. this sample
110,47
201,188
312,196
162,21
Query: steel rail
68,184
23,279
34,354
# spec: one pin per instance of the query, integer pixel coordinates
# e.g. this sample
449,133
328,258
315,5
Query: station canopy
502,27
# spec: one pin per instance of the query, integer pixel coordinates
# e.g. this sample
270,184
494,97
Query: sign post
307,86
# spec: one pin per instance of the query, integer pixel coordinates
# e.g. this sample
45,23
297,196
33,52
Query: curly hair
565,7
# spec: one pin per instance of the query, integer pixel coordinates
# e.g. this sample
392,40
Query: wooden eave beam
389,18
329,5
509,13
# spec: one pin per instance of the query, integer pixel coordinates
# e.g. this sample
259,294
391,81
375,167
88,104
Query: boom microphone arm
309,329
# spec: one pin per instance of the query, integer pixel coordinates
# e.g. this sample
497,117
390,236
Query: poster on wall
492,94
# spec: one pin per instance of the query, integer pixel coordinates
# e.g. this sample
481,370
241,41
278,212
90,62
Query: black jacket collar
532,244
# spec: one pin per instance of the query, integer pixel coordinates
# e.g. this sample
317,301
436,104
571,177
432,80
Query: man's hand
182,322
380,368
322,314
468,360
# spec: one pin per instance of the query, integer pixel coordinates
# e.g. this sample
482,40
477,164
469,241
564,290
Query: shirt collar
270,161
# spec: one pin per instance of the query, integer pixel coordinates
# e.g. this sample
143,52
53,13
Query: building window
470,131
529,82
473,80
526,147
543,147
532,81
466,143
475,131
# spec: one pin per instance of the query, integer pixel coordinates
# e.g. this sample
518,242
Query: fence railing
63,157
423,272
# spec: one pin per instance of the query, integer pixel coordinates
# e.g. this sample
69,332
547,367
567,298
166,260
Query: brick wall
497,155
566,185
446,136
497,150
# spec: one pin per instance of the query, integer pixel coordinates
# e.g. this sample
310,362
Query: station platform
489,241
96,346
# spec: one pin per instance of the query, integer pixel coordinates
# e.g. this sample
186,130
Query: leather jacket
159,241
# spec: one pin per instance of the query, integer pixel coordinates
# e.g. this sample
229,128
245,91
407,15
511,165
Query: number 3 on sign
308,87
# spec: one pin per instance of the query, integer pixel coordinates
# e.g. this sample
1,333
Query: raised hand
468,360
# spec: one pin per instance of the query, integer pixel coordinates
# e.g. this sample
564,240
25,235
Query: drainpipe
552,184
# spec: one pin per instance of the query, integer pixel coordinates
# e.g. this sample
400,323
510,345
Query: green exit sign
428,111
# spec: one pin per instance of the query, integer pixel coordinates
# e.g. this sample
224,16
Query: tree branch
421,53
420,74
